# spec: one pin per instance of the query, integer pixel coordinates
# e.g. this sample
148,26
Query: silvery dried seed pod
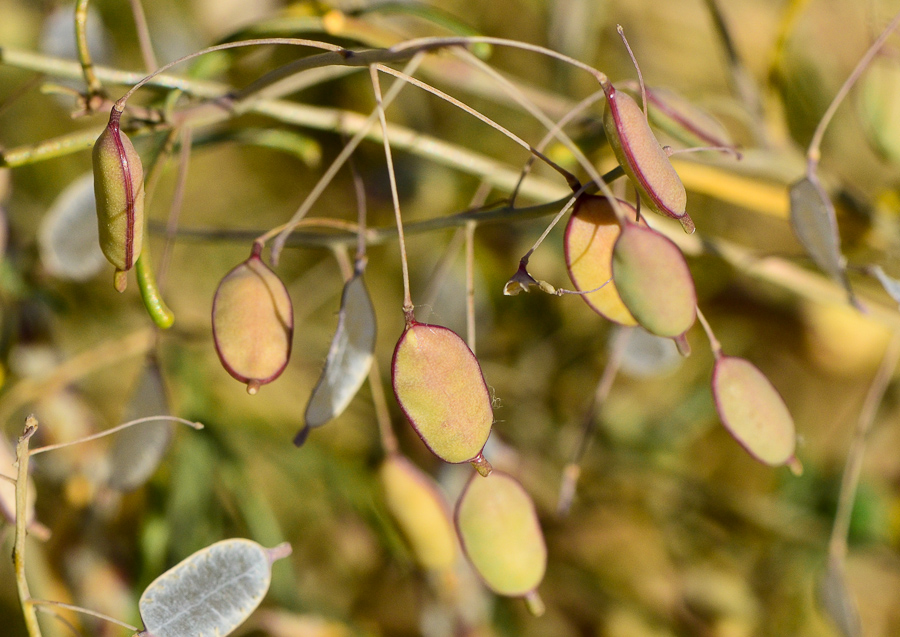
119,189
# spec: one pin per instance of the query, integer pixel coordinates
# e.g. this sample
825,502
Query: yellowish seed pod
119,189
253,323
421,512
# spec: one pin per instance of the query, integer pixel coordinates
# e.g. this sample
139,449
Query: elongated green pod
150,294
654,281
119,189
253,323
642,158
421,512
439,385
590,236
500,534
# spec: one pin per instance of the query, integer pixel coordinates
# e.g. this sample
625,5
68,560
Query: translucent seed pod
590,236
119,189
253,323
421,512
439,385
654,281
500,534
642,158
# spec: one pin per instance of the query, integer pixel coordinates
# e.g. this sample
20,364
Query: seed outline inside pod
261,320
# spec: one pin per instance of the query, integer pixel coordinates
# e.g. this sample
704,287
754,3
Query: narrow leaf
815,224
212,592
137,451
349,357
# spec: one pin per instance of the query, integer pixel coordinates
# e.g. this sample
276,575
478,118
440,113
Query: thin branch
84,52
143,34
116,429
22,456
84,611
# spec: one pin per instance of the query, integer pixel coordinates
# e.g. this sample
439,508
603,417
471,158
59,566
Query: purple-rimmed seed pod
642,158
499,530
439,385
654,281
119,189
753,411
253,323
590,236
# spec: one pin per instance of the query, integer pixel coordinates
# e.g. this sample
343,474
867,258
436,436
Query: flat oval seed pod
253,323
590,236
654,281
349,357
439,385
68,238
753,411
642,158
500,533
211,592
119,188
137,451
421,512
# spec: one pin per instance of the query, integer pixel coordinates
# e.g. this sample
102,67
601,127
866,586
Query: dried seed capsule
439,385
253,323
119,189
753,411
642,158
421,512
590,236
499,531
654,281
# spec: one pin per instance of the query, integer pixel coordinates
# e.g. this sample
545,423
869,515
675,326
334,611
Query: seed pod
253,323
499,531
642,158
654,281
119,189
421,512
590,236
439,385
753,411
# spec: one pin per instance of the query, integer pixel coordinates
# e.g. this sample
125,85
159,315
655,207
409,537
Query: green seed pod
590,236
421,512
642,158
499,531
753,411
119,189
439,385
654,281
253,323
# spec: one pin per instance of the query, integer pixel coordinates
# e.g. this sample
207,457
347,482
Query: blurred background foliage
674,529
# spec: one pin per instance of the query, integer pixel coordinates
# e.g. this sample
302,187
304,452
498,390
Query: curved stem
714,344
22,457
84,52
84,611
143,35
814,153
116,429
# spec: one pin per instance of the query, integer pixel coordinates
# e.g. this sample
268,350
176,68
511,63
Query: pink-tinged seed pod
642,158
590,236
119,189
253,323
439,385
654,281
753,412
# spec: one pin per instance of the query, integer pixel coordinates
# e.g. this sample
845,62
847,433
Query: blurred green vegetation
674,530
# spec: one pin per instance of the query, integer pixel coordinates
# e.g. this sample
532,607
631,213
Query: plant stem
84,611
84,53
814,152
395,197
116,429
22,456
382,413
837,545
470,284
143,35
714,344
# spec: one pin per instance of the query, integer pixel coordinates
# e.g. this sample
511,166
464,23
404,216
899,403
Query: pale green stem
116,429
22,457
837,545
714,344
143,34
85,611
84,53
